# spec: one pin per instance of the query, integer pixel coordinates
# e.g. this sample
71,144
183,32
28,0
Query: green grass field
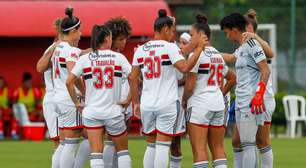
288,153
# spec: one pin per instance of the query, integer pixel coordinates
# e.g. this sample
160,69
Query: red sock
14,126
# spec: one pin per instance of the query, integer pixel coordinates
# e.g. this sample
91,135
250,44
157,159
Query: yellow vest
28,100
4,101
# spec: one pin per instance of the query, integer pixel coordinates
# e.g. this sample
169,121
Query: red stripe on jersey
86,70
140,60
61,59
118,68
165,56
204,66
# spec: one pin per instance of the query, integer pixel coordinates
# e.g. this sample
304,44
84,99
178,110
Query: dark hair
202,25
234,20
98,35
162,20
26,76
119,26
251,18
69,22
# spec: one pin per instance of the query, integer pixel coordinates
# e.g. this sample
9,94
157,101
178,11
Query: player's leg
117,129
176,153
197,128
247,128
148,120
237,149
108,152
167,120
83,153
95,131
216,134
198,140
263,136
72,128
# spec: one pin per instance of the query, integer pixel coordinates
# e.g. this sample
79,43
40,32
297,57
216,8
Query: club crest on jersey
74,55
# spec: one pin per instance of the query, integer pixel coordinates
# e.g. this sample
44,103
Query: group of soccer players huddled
175,88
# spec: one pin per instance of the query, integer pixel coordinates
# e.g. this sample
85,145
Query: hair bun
201,19
251,13
69,12
162,13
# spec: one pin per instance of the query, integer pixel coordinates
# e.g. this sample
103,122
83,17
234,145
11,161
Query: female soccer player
63,59
252,77
205,103
121,30
176,153
102,70
262,137
157,60
44,66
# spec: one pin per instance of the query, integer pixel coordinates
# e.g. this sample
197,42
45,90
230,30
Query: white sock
249,155
57,155
68,153
96,160
108,154
201,164
124,159
175,161
83,154
161,154
266,157
220,163
148,159
237,157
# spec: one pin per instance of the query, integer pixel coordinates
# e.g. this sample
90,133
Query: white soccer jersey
156,59
62,54
211,69
102,72
48,75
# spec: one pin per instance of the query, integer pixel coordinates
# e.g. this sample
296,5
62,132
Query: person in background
7,119
29,96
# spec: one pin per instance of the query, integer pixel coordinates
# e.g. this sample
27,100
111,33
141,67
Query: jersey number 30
153,67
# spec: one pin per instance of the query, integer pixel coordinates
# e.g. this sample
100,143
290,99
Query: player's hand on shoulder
246,36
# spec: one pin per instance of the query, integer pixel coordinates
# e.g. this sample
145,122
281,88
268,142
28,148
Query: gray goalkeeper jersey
248,74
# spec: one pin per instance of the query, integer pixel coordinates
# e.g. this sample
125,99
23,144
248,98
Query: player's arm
185,66
78,82
189,87
257,103
126,69
134,83
229,58
230,82
265,46
45,61
70,86
73,76
86,51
